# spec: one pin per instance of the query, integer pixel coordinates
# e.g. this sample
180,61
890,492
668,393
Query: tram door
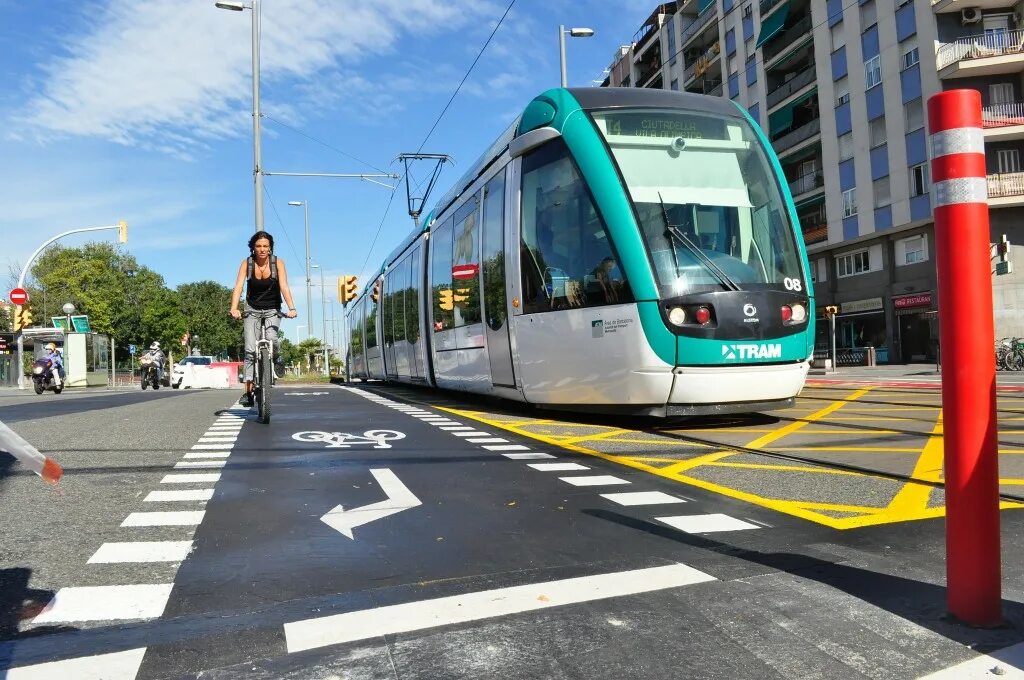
496,322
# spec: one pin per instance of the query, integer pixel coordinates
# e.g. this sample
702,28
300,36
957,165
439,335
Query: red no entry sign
465,271
19,296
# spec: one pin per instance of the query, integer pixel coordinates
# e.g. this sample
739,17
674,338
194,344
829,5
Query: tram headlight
677,315
799,313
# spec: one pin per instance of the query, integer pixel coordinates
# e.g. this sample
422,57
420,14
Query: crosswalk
691,523
159,532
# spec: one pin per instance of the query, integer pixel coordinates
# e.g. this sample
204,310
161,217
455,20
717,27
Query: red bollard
967,335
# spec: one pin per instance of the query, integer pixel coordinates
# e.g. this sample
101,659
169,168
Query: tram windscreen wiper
674,231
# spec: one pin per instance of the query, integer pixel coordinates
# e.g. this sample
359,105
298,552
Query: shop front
859,324
917,324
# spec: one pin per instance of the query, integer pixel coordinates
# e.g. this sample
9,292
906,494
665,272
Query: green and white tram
617,249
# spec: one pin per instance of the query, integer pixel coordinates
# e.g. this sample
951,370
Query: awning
772,25
783,118
808,202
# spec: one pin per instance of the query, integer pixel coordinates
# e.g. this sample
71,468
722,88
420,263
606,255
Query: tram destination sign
666,124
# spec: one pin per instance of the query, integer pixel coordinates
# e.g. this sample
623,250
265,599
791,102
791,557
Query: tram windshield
710,209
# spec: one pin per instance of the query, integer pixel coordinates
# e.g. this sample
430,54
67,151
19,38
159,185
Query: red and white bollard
967,335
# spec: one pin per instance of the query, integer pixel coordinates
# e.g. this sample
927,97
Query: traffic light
122,231
830,311
375,294
447,299
347,288
22,317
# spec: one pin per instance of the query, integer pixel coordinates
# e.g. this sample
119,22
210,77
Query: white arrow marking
399,498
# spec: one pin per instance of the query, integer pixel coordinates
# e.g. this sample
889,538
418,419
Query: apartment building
840,88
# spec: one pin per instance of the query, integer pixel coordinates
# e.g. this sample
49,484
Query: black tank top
263,293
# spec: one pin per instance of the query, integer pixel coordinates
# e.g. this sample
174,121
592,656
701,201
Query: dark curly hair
257,236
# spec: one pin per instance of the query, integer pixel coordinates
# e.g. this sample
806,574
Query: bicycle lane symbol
343,440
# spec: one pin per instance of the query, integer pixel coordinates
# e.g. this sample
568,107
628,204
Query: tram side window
356,339
412,309
566,257
398,299
389,309
371,323
466,270
493,256
441,277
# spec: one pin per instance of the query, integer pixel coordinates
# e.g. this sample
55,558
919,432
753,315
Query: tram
619,250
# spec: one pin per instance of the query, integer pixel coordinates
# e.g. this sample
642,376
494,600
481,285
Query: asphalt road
406,540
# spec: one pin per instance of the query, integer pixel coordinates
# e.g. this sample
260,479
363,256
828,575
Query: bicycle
263,373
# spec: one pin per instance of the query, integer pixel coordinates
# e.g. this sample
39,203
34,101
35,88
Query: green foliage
204,308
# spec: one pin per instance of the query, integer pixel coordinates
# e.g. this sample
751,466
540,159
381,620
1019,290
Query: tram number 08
793,284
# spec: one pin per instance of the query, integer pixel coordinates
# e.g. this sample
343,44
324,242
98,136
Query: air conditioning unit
970,15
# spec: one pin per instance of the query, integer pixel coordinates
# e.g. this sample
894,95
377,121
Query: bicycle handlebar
278,313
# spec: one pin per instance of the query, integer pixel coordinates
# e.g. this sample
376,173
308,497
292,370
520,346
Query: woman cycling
266,282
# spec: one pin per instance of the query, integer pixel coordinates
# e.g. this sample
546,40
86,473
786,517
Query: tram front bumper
705,390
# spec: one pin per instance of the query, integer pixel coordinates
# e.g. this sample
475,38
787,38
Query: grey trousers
252,334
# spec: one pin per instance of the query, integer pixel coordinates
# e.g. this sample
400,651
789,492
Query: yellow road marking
913,497
761,442
790,468
849,449
1011,482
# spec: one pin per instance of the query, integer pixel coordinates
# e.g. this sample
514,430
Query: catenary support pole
967,335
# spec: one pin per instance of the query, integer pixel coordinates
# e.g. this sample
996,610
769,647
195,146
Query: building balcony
698,25
703,64
813,232
982,55
1006,189
791,38
806,185
1003,122
949,6
792,86
790,140
767,6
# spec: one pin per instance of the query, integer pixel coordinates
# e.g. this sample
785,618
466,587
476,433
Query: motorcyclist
156,355
57,363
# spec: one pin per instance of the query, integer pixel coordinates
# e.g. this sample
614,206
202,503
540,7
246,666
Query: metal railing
979,47
1001,185
715,91
787,39
700,22
798,135
767,5
806,183
700,66
1002,115
794,84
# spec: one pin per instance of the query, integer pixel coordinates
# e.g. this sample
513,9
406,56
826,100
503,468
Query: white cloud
175,76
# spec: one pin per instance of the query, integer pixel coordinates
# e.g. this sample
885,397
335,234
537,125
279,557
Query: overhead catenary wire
433,127
325,144
281,222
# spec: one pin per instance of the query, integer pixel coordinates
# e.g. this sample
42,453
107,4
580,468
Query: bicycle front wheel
265,368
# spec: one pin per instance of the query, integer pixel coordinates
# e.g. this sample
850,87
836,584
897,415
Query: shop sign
916,300
868,305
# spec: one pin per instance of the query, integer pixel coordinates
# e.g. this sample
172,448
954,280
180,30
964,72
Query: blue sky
140,110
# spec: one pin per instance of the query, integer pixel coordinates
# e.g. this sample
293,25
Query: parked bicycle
263,373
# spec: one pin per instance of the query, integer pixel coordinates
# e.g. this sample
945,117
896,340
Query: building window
872,72
868,15
671,40
880,187
913,113
845,146
919,181
748,10
1000,93
674,85
731,62
877,128
1009,160
842,91
910,58
838,40
850,202
915,249
853,263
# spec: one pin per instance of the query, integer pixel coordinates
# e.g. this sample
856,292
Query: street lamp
309,294
323,313
68,309
253,5
575,33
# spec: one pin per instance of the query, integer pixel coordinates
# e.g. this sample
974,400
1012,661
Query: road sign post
960,204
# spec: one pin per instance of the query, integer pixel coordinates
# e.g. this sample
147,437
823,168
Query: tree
204,309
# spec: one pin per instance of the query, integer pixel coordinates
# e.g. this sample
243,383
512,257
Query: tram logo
751,351
749,310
